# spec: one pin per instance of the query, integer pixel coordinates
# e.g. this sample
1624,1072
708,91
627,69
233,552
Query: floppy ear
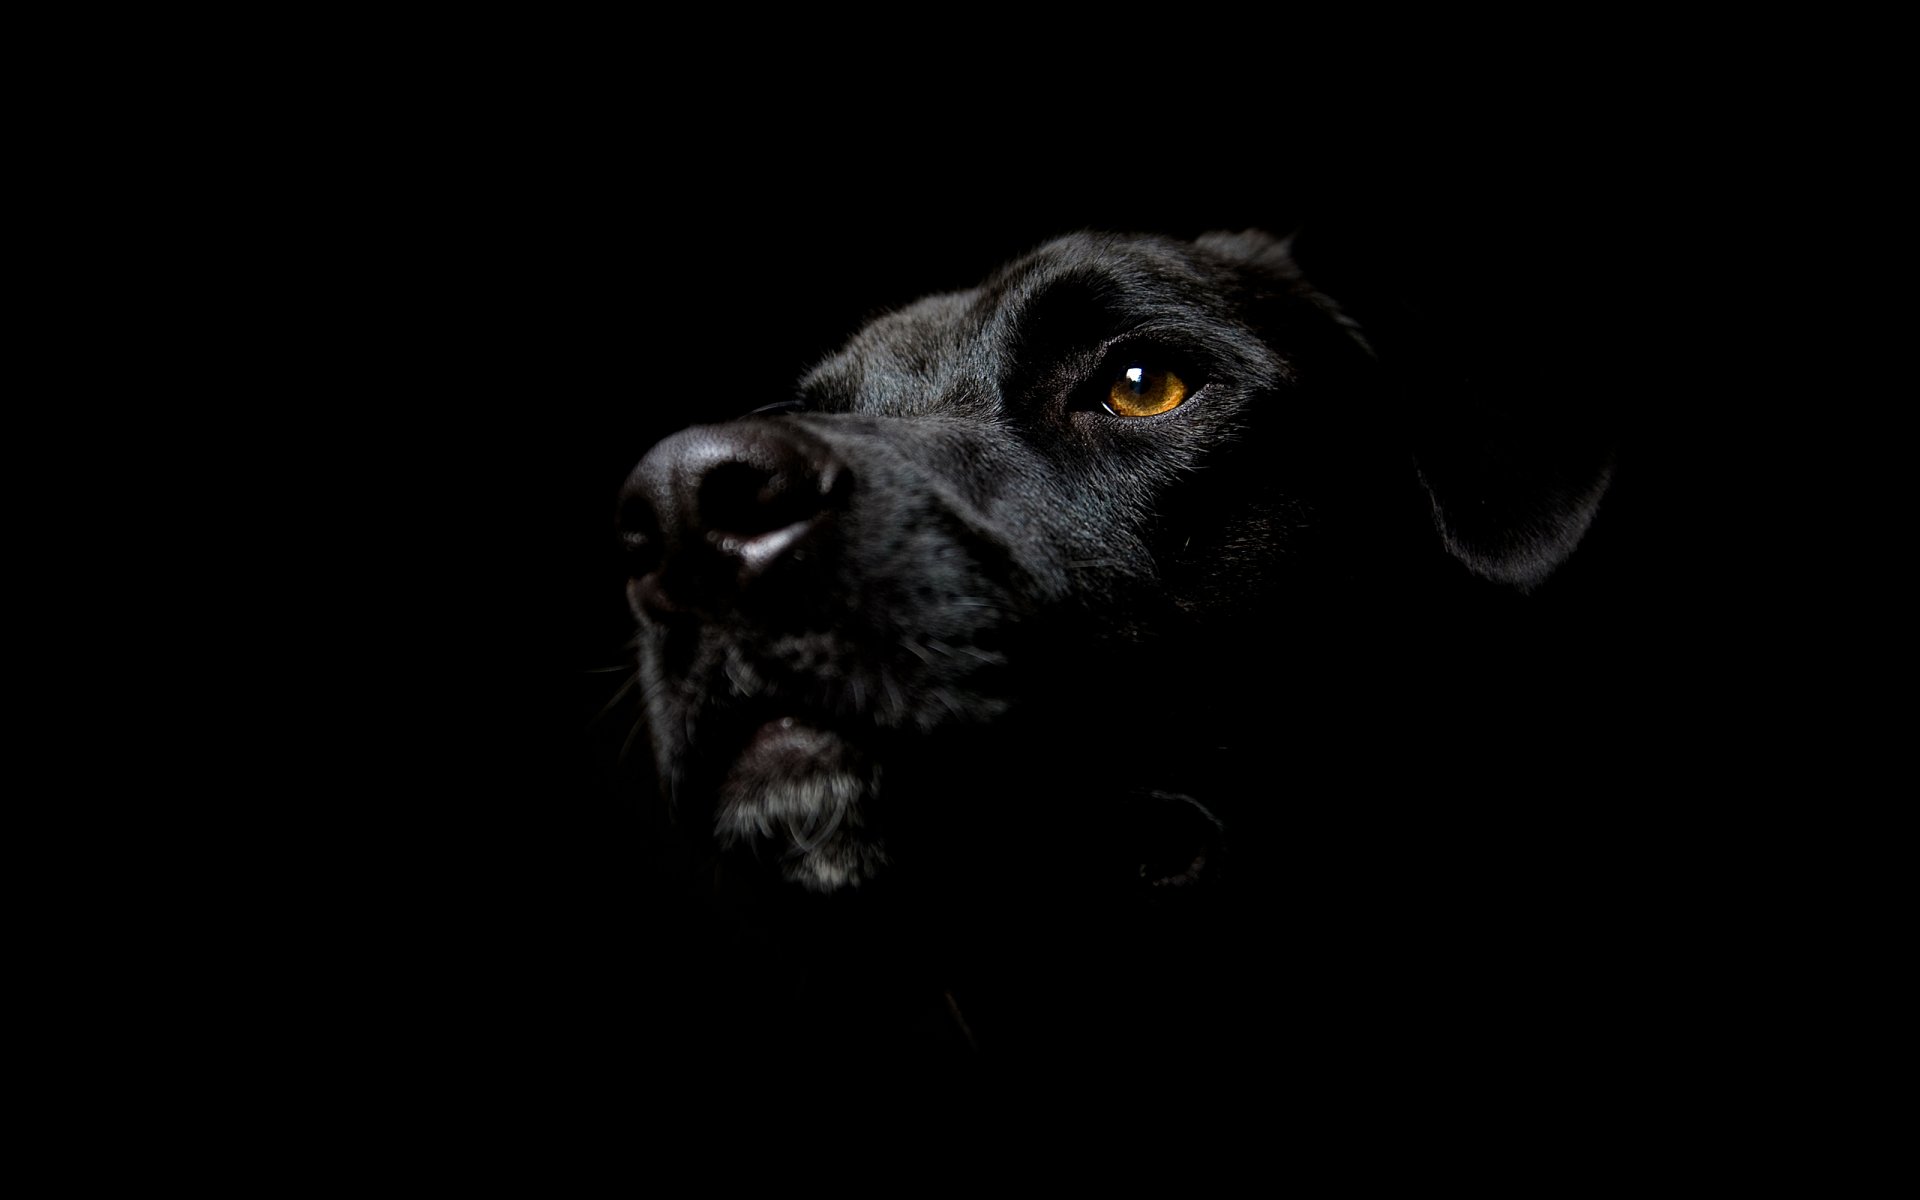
1513,492
1513,464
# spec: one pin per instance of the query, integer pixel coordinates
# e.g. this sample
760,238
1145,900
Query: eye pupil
1137,376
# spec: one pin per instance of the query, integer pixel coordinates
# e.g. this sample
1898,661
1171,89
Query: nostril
744,500
711,510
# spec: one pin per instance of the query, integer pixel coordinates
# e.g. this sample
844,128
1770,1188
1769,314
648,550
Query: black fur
1057,704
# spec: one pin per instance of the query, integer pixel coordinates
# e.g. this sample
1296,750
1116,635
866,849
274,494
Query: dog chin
802,792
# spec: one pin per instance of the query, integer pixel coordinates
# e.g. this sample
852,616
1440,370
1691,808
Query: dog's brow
1093,295
1060,310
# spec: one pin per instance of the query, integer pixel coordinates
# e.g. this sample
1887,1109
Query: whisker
959,1018
613,701
744,689
633,735
987,604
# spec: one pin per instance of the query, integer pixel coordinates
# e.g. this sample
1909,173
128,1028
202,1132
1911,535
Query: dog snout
712,510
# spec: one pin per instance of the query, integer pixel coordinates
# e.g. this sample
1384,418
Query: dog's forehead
1102,262
949,349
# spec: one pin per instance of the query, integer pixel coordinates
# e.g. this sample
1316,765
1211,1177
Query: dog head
1048,540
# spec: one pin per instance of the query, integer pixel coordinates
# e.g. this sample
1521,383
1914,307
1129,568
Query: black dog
1101,608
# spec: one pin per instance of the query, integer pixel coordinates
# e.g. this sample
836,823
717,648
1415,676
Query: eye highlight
1142,391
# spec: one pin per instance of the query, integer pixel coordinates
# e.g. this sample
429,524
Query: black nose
712,510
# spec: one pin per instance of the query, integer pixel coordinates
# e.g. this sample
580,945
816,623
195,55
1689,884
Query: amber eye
1144,392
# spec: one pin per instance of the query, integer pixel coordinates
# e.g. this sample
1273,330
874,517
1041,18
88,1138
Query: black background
445,285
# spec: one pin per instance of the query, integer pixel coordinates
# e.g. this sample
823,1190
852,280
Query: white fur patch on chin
845,863
802,790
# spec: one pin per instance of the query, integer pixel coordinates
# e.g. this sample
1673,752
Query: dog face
1021,548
